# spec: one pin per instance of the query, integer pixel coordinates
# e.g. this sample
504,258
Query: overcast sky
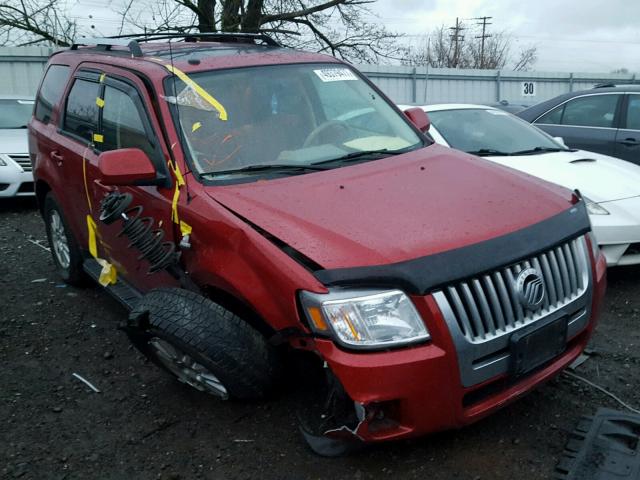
571,35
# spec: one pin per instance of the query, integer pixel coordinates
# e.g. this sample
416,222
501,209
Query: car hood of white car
14,141
599,177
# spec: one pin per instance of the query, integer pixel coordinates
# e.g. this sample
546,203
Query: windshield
478,130
15,113
284,115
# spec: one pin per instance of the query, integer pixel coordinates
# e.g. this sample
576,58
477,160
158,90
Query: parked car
611,186
16,178
605,120
509,107
227,192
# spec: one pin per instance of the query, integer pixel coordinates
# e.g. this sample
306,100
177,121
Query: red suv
261,210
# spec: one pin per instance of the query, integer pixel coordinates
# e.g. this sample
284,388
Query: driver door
126,122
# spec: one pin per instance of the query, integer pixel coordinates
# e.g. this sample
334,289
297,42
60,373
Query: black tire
71,271
239,356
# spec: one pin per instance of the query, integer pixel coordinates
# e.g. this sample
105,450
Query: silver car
16,178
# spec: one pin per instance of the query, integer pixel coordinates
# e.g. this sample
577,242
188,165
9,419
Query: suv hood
398,208
14,140
598,177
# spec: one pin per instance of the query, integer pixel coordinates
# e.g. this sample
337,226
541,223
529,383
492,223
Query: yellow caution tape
84,176
97,138
92,228
176,194
108,275
102,77
100,102
199,90
196,126
185,228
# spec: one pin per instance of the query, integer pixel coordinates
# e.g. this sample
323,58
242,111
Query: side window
50,92
122,125
591,111
633,112
553,117
81,113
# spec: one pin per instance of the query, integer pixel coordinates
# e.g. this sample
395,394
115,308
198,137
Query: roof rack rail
132,41
106,44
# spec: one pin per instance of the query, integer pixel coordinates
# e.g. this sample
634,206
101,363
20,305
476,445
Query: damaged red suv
264,212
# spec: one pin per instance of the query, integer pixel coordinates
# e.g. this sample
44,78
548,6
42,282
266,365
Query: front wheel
203,345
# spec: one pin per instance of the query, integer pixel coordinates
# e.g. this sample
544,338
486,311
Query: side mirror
560,140
127,166
419,118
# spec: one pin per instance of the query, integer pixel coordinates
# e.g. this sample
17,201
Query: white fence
21,68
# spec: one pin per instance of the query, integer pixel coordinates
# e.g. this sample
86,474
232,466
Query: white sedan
611,187
16,178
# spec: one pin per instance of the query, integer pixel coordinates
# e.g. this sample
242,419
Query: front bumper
15,182
419,390
618,233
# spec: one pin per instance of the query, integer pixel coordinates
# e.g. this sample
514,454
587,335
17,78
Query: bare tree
527,58
446,50
339,27
26,22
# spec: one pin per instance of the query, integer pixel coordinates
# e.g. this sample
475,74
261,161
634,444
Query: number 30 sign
528,89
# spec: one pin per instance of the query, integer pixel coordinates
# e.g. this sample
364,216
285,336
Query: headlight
595,208
365,319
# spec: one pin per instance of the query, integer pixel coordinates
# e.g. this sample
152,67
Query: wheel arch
41,188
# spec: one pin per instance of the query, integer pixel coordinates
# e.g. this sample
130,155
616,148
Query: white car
610,186
16,178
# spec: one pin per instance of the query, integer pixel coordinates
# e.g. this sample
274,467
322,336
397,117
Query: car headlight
594,208
365,319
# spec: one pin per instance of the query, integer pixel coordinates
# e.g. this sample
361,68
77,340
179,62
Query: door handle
105,188
629,142
57,157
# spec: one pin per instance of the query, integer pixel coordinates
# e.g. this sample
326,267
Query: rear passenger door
588,122
628,136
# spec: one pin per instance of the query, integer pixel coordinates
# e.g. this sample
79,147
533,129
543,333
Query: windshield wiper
488,152
266,168
533,151
359,155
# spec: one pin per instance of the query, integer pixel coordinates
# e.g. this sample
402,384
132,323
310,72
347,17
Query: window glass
81,114
52,86
475,129
285,114
591,111
633,112
15,113
122,126
553,117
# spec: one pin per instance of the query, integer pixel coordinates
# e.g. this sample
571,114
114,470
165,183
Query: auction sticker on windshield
335,74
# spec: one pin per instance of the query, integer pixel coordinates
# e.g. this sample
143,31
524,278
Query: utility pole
484,22
456,38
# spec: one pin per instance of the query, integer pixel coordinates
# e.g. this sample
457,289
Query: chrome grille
23,160
488,306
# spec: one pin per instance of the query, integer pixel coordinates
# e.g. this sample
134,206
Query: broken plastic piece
605,447
86,382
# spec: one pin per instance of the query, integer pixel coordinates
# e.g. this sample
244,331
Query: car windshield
15,113
480,130
289,117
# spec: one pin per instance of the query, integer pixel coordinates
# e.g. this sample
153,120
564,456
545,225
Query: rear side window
122,123
50,92
554,117
633,112
591,111
81,113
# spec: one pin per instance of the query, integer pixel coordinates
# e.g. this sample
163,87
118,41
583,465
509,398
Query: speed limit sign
528,89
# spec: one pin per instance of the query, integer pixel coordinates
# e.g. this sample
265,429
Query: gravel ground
145,425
